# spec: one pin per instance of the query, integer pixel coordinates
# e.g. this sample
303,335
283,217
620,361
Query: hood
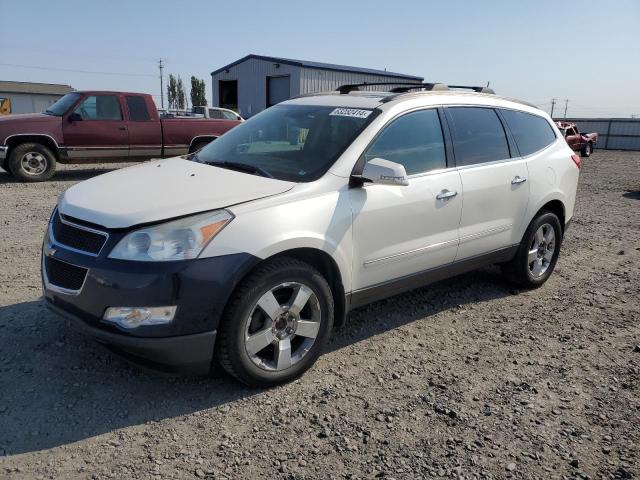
160,190
37,123
28,117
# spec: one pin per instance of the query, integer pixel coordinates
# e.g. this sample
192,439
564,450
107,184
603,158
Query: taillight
576,159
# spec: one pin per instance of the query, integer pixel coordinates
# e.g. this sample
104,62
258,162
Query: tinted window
137,109
100,107
478,135
531,133
213,113
290,142
229,115
413,140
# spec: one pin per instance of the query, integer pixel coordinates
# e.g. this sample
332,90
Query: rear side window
414,141
478,135
137,109
213,113
531,133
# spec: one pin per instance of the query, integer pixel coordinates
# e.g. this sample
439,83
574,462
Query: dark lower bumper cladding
185,353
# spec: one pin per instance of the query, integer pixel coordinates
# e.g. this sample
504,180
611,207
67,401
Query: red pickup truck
91,126
579,142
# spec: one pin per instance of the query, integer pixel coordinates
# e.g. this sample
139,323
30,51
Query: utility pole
553,105
161,67
566,105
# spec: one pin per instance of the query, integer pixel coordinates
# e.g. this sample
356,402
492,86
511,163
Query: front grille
64,275
76,237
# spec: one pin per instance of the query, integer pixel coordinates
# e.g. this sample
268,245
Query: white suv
250,250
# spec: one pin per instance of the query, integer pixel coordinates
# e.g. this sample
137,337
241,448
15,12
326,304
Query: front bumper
199,288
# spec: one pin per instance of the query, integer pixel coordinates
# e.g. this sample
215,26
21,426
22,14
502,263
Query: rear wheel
538,252
32,162
587,150
277,323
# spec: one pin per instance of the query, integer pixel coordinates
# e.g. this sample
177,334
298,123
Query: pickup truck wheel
538,252
32,162
198,146
587,150
276,324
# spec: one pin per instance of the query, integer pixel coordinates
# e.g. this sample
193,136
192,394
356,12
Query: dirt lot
469,378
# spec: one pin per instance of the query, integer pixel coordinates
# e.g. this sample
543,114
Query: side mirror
74,117
384,172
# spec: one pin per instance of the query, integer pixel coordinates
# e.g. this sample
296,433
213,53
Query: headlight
177,240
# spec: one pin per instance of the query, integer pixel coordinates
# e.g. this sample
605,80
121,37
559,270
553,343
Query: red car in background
96,126
579,142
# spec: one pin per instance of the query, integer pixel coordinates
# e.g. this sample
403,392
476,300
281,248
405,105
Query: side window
478,135
213,113
100,107
531,133
413,140
137,109
229,115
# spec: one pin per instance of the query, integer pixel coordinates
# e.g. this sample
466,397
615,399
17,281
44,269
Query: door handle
444,194
122,128
518,180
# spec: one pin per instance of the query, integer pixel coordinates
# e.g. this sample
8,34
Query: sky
587,52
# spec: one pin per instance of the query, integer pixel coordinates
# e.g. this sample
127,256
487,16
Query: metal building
256,82
27,97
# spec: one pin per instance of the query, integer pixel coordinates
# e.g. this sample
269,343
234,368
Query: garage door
278,89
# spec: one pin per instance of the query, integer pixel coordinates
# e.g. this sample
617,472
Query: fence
613,133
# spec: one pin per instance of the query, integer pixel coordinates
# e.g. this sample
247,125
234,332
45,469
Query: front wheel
587,150
277,323
32,162
538,252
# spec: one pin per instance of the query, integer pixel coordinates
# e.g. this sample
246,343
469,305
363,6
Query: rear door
96,128
143,124
494,181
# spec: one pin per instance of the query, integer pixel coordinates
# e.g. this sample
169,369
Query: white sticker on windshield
351,112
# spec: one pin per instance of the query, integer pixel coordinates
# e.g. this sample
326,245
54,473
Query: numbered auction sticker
351,112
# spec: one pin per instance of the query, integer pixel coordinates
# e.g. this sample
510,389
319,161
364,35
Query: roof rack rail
422,86
404,87
475,89
352,87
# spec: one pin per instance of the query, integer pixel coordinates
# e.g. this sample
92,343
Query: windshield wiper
243,167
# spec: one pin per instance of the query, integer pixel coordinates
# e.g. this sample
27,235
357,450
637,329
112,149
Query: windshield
62,105
289,142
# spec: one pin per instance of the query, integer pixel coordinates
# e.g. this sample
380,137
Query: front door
495,186
403,230
96,129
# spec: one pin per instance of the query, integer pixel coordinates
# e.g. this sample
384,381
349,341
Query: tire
32,162
252,346
538,252
587,150
198,146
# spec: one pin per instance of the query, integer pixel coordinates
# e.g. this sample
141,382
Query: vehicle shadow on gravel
635,195
71,175
59,387
452,294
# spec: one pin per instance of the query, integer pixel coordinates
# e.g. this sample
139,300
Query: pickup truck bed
90,126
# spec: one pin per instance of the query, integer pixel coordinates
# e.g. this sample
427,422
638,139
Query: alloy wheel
282,326
541,250
33,163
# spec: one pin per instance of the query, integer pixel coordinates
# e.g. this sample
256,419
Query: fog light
132,317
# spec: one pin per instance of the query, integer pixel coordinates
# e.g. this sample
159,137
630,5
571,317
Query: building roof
320,66
37,88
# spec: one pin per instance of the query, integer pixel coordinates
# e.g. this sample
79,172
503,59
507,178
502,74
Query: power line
122,74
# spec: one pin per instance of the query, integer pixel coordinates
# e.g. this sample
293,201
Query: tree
181,97
172,91
198,96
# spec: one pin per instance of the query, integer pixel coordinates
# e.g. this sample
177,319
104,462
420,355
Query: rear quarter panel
180,131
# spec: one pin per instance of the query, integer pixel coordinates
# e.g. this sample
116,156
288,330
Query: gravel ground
469,378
